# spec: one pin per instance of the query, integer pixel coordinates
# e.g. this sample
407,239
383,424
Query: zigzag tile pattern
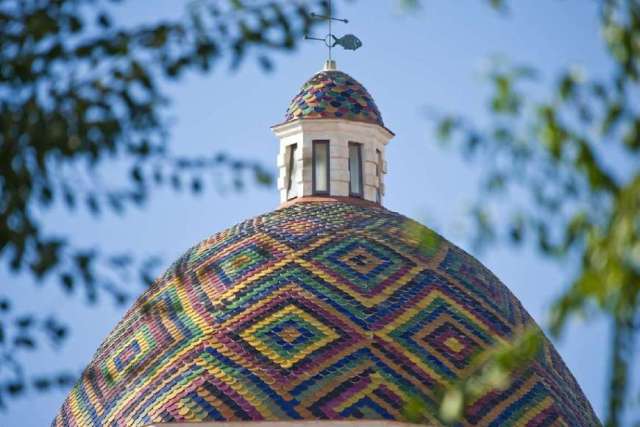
334,95
317,311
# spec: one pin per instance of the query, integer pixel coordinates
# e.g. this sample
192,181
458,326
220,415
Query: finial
348,41
330,65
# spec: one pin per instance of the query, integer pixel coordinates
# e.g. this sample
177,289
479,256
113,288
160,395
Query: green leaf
452,405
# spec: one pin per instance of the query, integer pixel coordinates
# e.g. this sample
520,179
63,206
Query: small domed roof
332,94
323,310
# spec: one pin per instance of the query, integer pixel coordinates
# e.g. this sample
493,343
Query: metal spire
348,41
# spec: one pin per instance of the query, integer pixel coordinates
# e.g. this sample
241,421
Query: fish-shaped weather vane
348,41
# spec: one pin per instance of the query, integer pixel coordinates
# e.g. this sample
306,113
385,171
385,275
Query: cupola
332,142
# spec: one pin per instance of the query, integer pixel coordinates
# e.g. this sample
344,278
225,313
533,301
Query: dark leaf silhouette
81,94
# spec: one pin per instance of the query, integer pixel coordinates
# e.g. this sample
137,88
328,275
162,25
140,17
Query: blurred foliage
79,94
19,334
561,170
414,4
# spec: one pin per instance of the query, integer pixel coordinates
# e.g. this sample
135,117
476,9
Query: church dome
333,94
322,310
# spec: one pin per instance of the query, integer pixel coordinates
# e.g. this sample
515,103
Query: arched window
321,167
355,170
292,173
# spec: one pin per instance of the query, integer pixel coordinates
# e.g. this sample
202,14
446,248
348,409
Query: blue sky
432,58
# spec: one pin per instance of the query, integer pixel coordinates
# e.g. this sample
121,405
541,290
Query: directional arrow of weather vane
348,41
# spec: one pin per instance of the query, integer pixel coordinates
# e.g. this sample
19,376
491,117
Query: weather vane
348,41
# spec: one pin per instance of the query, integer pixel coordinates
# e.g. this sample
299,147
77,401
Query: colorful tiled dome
322,310
332,94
